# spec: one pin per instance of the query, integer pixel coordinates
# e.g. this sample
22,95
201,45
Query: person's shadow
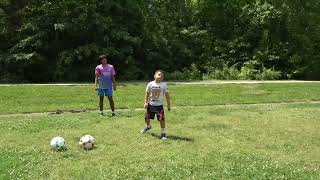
173,137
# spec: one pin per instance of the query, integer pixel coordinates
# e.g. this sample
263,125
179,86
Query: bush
176,75
187,74
250,70
227,73
247,72
269,74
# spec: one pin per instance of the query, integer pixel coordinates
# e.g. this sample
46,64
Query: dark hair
104,56
159,70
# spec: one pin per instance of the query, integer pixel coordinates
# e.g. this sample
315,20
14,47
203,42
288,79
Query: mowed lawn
26,98
214,132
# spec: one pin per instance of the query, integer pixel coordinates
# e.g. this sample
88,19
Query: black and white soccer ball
57,143
87,142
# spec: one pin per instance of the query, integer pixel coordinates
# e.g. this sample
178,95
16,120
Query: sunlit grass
129,96
232,141
220,142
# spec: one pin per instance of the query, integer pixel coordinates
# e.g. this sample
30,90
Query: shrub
226,73
187,74
269,74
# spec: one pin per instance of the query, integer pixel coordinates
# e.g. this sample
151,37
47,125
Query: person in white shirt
153,102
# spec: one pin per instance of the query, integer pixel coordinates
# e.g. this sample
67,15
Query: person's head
103,59
158,75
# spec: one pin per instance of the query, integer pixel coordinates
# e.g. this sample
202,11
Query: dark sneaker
163,137
102,114
113,114
145,130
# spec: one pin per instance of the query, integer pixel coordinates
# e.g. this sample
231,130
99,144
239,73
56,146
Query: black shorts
153,110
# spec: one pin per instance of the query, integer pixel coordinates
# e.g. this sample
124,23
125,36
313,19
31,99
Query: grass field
21,98
230,131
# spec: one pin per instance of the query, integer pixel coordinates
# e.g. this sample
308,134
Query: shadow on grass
118,114
173,137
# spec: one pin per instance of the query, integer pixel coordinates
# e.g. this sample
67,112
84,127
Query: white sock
163,130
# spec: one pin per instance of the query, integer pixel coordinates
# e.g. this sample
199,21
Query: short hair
103,56
159,70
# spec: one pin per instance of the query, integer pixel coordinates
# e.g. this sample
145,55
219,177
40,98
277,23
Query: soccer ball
58,143
87,142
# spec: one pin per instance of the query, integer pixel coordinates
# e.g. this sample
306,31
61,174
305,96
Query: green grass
128,96
234,141
230,142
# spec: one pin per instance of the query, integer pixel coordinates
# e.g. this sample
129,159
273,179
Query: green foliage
227,73
247,72
142,36
269,74
71,35
187,74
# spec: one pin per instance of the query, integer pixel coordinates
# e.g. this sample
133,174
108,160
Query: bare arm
146,98
114,83
168,101
96,79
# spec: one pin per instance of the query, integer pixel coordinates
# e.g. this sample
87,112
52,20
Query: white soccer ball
58,143
87,142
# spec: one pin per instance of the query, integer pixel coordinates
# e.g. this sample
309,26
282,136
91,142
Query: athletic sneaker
145,130
102,114
113,114
163,136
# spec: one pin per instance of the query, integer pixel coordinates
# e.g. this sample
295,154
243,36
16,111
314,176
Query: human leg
101,99
101,102
148,115
110,98
111,102
162,122
148,126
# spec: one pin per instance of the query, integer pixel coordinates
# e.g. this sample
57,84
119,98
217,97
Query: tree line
55,40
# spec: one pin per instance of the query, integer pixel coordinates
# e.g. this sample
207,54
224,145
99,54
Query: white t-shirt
156,92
